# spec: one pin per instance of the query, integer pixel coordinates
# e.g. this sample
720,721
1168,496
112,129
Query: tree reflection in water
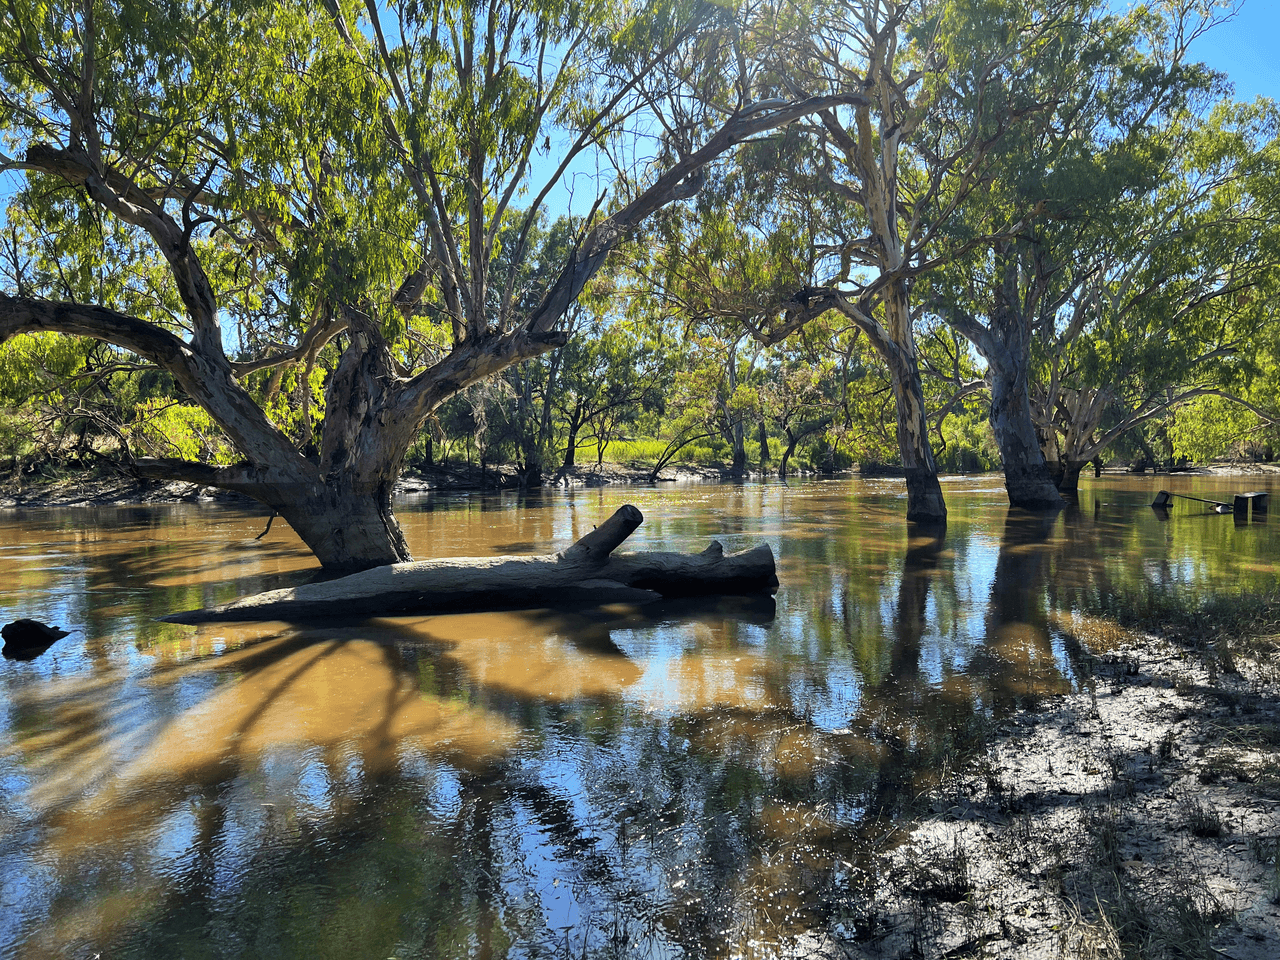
688,780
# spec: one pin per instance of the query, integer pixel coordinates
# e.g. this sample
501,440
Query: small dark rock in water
27,639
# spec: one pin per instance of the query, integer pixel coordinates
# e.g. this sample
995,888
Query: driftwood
587,572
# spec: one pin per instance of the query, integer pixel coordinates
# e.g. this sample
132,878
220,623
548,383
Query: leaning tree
221,189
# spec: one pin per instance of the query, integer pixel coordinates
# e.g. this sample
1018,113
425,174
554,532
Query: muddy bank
1139,817
77,491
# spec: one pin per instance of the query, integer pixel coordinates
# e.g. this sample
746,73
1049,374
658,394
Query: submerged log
587,572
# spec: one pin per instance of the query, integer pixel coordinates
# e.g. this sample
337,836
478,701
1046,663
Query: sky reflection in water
686,779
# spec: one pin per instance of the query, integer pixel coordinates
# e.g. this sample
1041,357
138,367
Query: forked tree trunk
348,530
349,523
1070,420
372,413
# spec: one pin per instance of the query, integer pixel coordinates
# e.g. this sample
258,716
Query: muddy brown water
681,780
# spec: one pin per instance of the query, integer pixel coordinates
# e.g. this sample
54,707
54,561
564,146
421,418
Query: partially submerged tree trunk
925,504
587,572
1069,422
924,493
894,341
1026,474
1066,475
1004,341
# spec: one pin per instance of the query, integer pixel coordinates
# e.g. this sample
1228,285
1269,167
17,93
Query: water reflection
687,779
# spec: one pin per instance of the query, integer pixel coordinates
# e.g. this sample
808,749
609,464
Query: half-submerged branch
587,572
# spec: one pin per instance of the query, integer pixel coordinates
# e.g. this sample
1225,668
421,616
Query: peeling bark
925,504
1004,341
340,504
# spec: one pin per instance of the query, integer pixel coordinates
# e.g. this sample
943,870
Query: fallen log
587,572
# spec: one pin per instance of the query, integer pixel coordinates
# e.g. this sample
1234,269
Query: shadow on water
365,703
686,779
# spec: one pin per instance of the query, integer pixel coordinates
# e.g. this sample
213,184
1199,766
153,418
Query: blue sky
1245,49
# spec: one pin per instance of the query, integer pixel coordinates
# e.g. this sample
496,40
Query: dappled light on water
682,779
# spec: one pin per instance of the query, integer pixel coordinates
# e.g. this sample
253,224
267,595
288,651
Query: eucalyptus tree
1105,143
332,183
1245,424
611,377
1178,297
808,383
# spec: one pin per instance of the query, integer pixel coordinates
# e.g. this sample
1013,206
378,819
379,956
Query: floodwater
692,779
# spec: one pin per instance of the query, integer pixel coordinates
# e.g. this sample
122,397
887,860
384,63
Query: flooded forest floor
57,487
1139,817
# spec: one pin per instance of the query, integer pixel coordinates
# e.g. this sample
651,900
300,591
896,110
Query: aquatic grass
1135,920
1104,828
1225,765
1266,850
1090,936
1246,622
1253,735
1266,780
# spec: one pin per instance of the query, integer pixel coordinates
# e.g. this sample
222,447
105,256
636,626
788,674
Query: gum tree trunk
739,467
925,504
1066,475
1005,343
1027,476
341,504
1070,421
348,529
